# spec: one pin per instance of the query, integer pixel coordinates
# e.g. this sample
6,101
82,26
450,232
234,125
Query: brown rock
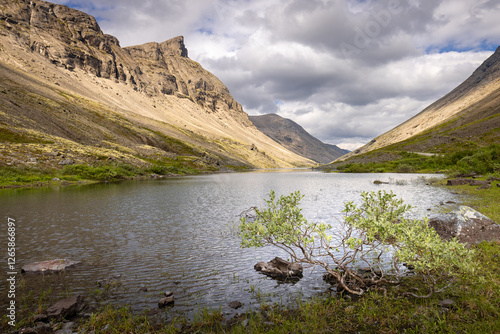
65,308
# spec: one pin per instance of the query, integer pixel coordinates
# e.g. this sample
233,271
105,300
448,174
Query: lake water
178,234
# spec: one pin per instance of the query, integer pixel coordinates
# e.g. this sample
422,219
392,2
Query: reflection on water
178,234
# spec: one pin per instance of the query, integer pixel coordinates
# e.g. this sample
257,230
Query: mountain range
467,118
292,136
71,94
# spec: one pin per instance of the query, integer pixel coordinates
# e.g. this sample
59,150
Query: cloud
346,70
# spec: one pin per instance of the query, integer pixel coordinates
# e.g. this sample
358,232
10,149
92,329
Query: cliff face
468,111
296,139
56,58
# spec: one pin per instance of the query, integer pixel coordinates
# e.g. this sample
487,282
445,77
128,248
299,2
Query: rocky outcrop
467,225
66,80
279,268
50,266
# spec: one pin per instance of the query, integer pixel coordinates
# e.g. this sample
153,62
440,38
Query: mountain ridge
295,138
154,90
466,118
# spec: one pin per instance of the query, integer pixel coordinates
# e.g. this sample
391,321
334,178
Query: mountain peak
176,45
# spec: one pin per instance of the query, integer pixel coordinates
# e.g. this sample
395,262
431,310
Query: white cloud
346,70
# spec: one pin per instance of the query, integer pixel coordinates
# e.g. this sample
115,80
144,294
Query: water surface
178,234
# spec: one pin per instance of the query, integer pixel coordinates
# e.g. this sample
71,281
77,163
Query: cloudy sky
346,70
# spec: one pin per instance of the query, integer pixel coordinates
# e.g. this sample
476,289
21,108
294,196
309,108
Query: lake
178,234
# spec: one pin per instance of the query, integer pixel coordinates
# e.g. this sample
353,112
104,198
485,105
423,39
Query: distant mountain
465,118
65,86
296,139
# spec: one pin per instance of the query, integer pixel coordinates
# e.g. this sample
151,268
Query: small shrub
374,236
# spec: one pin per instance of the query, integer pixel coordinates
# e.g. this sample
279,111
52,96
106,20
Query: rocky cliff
470,112
64,79
296,139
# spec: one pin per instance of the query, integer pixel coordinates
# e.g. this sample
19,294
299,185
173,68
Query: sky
345,70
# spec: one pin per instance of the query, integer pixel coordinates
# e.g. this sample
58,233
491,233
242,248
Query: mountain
465,118
296,139
67,87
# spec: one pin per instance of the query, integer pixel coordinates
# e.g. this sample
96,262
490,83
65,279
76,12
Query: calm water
178,234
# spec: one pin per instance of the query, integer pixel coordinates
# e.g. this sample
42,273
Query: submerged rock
467,225
279,268
51,265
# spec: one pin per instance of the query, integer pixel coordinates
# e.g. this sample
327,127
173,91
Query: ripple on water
178,234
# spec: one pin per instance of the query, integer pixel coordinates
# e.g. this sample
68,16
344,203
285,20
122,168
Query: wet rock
168,293
486,186
66,308
51,265
167,301
235,304
279,268
143,289
467,225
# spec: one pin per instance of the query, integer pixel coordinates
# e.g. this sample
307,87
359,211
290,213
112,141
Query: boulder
458,182
48,266
467,225
235,304
166,301
279,268
66,308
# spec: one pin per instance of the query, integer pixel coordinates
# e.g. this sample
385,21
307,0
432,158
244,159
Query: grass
34,177
480,160
476,309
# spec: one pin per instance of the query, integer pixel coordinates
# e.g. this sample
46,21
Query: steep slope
64,83
468,113
295,138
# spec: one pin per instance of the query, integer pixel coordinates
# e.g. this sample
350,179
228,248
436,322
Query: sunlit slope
64,79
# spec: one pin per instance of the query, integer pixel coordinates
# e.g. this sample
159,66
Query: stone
40,318
167,301
143,289
49,266
447,303
235,304
65,308
279,268
65,162
168,293
486,186
458,182
467,225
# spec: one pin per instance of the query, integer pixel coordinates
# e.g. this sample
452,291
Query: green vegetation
32,176
374,236
483,160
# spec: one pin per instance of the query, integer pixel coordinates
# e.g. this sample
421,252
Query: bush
374,237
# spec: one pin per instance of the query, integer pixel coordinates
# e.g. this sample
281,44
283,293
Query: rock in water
467,225
279,268
51,265
65,308
170,300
